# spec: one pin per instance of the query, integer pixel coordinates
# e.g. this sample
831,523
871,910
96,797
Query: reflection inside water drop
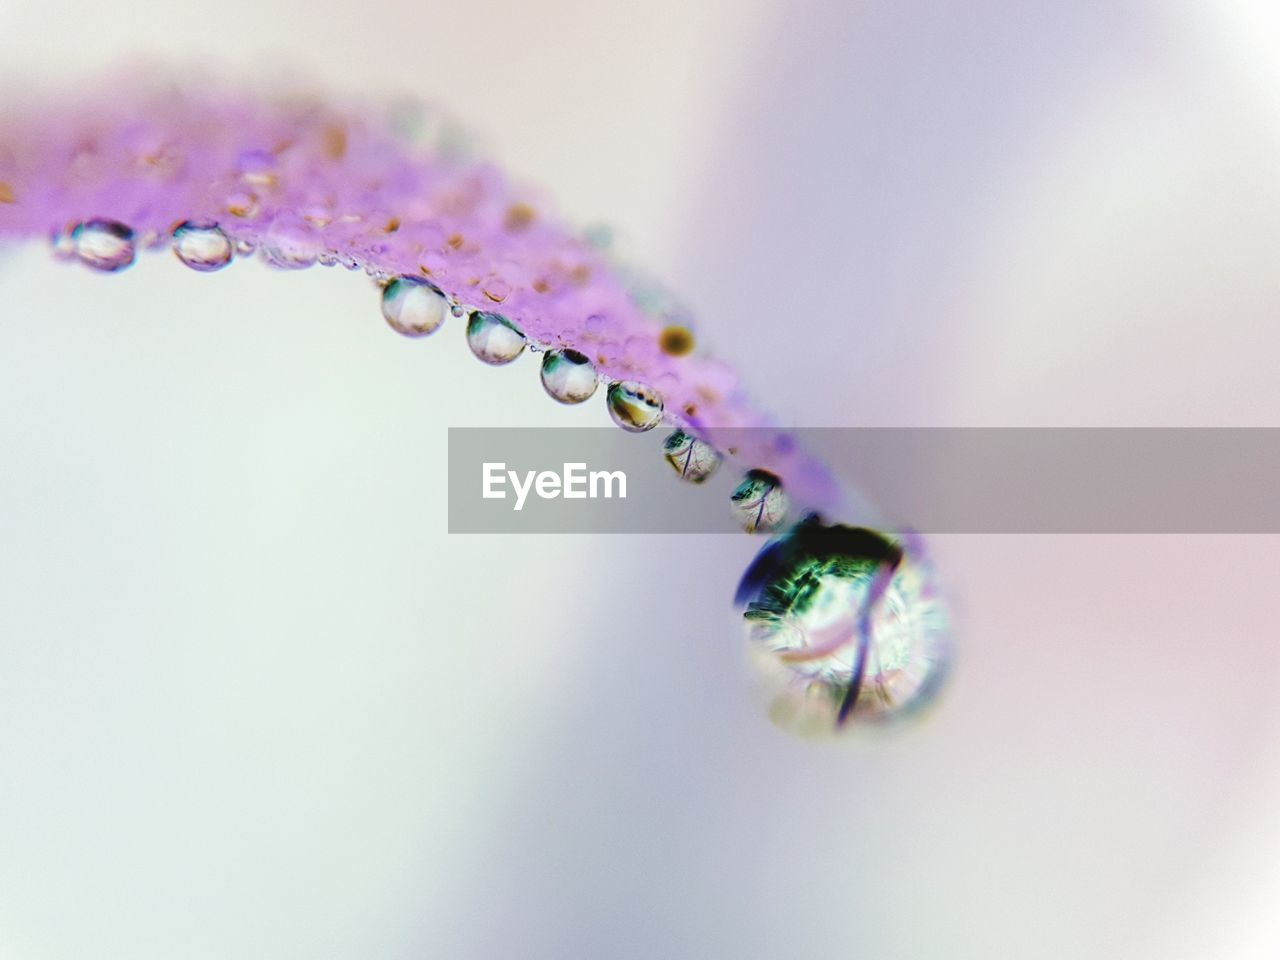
202,246
493,338
104,244
634,406
413,306
568,376
759,503
693,460
843,626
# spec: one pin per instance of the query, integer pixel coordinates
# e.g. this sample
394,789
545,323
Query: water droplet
693,459
202,246
634,406
759,502
413,306
291,243
104,244
493,338
242,203
568,376
843,626
497,289
257,167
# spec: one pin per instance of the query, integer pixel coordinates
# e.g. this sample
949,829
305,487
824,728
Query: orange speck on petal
519,217
335,141
675,341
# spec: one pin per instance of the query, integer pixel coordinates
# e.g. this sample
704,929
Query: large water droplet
104,244
568,376
634,406
843,626
202,246
413,306
693,459
759,502
493,338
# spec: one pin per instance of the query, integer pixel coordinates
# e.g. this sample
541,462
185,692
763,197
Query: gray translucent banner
933,480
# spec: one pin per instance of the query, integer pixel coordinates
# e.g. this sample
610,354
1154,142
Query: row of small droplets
415,307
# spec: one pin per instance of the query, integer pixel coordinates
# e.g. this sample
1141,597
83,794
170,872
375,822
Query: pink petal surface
302,180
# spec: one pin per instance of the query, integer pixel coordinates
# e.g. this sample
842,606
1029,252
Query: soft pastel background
254,703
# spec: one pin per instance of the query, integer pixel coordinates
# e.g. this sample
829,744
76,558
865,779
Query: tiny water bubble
106,245
693,460
257,168
844,628
413,307
202,246
243,203
496,289
568,376
759,502
493,338
634,406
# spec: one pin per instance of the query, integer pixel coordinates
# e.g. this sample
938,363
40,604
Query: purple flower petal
303,181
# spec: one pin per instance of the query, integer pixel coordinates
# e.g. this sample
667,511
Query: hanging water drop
202,246
759,502
104,244
568,376
493,338
693,459
843,626
634,406
413,306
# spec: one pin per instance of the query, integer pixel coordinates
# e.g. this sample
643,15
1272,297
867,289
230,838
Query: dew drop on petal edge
692,459
493,338
202,246
759,503
634,406
413,306
568,376
104,244
844,628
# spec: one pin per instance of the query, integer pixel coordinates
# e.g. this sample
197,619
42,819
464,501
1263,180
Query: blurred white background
255,703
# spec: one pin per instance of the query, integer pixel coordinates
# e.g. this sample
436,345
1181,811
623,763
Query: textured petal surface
385,189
